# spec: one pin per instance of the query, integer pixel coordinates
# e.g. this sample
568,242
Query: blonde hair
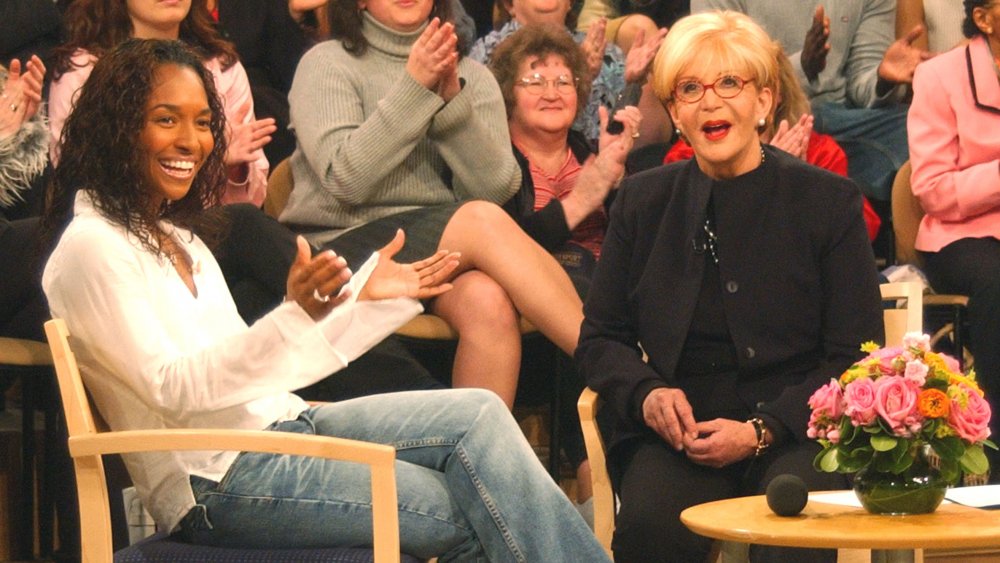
725,39
791,101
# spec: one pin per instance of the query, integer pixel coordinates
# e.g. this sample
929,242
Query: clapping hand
247,138
422,279
641,54
593,46
434,58
902,57
816,45
21,96
794,139
315,282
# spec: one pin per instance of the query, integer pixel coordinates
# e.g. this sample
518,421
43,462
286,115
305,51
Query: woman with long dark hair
161,346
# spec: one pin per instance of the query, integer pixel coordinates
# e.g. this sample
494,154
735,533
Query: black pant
655,483
972,267
23,308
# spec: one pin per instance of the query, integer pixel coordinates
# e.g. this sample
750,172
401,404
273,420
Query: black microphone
787,495
629,96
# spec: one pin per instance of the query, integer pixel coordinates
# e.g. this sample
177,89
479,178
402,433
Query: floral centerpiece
906,420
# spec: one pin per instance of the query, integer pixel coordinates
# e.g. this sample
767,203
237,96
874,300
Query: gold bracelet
761,429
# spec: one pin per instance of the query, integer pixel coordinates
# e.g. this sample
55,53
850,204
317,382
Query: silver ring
320,298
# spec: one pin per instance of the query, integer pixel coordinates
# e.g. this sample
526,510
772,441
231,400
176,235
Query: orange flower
934,403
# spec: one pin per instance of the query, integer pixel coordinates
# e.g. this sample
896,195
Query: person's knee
484,217
482,303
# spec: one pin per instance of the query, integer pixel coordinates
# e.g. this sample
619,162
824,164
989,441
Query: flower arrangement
887,407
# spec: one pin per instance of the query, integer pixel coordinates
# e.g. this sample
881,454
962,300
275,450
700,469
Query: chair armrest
379,458
604,498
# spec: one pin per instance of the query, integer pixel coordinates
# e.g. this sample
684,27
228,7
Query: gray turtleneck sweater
374,142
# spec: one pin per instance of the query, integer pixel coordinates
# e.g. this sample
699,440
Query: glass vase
917,490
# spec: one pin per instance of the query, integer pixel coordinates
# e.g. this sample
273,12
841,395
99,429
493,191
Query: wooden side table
748,520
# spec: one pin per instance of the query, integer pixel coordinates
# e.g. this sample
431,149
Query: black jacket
799,287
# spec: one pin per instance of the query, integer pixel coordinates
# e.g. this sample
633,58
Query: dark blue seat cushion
160,548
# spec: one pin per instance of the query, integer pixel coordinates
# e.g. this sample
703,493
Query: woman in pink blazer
954,136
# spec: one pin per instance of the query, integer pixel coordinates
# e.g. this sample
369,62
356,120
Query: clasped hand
317,283
714,443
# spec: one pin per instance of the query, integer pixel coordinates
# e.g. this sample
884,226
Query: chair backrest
92,491
908,313
906,216
279,188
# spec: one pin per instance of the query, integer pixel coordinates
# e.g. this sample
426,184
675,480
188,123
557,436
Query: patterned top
608,83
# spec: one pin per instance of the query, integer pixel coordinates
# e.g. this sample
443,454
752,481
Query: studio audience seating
906,216
31,362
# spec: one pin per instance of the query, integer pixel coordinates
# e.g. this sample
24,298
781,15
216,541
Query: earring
678,132
761,123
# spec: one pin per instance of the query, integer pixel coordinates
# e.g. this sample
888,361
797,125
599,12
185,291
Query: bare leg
491,242
489,343
584,488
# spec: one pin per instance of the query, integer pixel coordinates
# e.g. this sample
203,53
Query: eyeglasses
536,84
690,91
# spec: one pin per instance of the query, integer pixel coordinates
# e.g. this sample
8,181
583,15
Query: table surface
749,520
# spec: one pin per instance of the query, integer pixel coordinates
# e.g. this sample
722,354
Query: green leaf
883,443
828,462
974,461
857,459
950,470
949,447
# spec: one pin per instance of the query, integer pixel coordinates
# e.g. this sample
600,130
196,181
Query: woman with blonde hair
745,291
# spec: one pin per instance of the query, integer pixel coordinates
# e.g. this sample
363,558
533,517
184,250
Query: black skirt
423,228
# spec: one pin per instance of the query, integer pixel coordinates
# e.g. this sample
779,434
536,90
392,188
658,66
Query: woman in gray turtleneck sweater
396,130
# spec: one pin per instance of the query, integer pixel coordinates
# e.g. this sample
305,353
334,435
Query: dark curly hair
101,152
969,27
345,23
99,25
538,41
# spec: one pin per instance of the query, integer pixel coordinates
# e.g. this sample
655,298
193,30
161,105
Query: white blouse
155,356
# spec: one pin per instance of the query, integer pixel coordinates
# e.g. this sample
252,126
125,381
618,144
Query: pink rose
896,403
827,405
972,422
951,363
916,371
860,398
885,356
828,400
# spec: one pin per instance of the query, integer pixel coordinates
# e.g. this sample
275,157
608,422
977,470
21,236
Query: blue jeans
874,140
470,487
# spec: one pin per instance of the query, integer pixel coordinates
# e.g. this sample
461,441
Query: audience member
625,17
852,70
269,44
746,291
610,69
563,186
24,144
95,26
789,127
954,126
123,275
941,18
396,130
30,27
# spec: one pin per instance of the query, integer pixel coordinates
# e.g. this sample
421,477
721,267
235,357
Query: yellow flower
869,347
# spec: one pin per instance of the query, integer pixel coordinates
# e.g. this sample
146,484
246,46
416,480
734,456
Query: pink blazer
232,85
955,146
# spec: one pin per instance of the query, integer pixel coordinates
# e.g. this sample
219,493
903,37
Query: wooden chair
425,328
89,440
907,316
31,362
906,216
